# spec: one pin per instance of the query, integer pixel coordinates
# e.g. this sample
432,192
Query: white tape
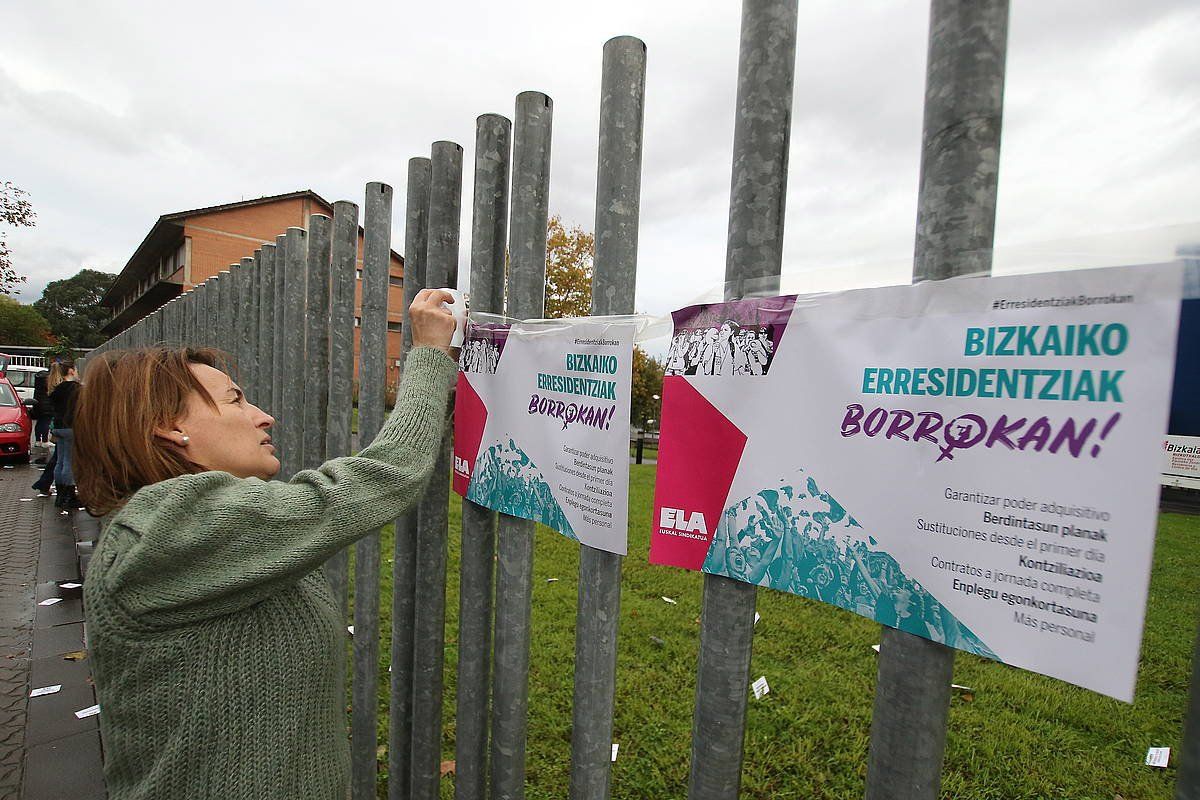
459,309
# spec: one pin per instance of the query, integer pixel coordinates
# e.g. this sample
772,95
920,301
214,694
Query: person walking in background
214,638
63,386
42,414
46,407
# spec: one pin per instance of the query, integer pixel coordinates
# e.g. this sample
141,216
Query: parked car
16,428
22,377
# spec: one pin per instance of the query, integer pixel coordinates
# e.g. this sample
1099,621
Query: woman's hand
432,323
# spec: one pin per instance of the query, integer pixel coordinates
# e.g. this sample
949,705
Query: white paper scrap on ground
46,690
551,580
614,752
757,617
1158,757
875,647
669,600
90,711
49,601
760,687
70,585
350,628
26,499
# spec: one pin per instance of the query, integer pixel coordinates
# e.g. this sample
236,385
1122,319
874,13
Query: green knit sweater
215,640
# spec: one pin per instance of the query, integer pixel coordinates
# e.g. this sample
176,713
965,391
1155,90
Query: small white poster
541,424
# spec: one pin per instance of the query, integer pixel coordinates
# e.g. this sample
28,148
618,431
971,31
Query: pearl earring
186,439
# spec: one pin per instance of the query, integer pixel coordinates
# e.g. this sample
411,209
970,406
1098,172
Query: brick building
186,248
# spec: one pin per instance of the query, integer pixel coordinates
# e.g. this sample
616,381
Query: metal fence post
532,125
212,308
489,236
429,618
227,314
762,129
618,202
291,411
404,544
247,316
279,332
960,157
266,328
343,268
316,340
372,376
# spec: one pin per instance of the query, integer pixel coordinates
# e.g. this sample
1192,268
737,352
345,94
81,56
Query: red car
15,425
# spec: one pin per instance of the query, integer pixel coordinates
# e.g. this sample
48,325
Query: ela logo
677,519
460,466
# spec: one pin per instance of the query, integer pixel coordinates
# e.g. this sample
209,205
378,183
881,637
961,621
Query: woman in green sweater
214,637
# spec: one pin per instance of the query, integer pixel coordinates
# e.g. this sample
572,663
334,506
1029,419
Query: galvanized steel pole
372,378
227,314
618,202
956,215
250,327
316,340
247,316
514,569
341,368
212,310
278,365
404,543
489,237
753,261
291,411
266,328
429,617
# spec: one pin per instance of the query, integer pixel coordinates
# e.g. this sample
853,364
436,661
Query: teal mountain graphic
505,479
798,539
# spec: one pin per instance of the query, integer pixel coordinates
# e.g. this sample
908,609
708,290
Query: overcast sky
118,111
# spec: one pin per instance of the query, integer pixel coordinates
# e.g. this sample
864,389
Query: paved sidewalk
45,750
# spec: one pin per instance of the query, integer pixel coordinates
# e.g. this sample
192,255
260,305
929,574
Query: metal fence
286,316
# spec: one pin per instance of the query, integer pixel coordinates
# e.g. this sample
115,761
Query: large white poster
541,427
974,461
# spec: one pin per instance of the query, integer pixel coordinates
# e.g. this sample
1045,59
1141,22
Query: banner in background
541,424
974,461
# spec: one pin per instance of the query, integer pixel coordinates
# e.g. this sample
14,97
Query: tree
569,255
72,307
21,324
646,392
15,209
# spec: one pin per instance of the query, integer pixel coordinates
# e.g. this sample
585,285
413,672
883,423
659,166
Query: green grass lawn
1023,736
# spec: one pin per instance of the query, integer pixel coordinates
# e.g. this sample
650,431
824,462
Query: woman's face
232,438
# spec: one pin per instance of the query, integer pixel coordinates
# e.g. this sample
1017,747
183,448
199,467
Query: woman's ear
173,436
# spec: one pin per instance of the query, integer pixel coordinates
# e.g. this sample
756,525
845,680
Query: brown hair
127,395
58,374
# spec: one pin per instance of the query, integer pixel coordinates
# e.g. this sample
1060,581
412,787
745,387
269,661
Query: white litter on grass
49,601
90,711
551,580
614,752
70,585
1158,757
875,647
760,688
46,690
351,629
669,600
757,617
